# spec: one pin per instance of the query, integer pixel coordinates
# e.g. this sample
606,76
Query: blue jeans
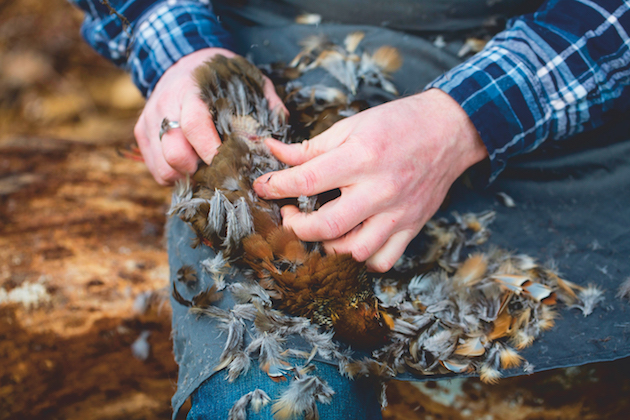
352,400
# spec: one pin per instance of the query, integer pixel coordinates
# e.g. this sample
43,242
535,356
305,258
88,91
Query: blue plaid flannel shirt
560,71
552,74
149,36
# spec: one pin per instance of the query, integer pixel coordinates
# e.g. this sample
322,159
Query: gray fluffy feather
276,322
301,397
250,292
239,365
216,215
232,234
231,184
589,298
182,192
257,399
307,204
188,208
322,341
245,220
217,267
270,348
624,290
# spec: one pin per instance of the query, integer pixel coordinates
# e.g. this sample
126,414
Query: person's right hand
393,165
176,97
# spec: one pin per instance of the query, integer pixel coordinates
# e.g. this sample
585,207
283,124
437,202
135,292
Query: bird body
331,290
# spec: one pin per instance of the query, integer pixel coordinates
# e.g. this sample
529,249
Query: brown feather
286,245
388,59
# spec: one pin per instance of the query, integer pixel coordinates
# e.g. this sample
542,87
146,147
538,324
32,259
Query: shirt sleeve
552,74
146,37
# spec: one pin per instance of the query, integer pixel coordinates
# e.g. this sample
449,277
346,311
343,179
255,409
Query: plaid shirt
551,74
149,36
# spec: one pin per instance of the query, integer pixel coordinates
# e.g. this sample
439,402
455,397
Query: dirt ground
81,242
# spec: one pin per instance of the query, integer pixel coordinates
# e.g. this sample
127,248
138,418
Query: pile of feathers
451,309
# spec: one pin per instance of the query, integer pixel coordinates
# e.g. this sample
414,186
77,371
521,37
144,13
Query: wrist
455,130
181,72
166,33
198,57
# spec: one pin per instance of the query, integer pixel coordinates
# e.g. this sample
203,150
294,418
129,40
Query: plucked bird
331,290
447,310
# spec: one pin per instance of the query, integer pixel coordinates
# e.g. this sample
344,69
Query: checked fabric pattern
153,36
551,74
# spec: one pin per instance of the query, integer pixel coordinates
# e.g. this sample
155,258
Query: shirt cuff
167,32
502,96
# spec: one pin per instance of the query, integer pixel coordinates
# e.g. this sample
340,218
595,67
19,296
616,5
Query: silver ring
167,125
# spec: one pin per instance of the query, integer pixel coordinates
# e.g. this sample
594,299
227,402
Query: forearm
146,37
552,74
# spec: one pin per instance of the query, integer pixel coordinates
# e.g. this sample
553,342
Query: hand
176,97
393,163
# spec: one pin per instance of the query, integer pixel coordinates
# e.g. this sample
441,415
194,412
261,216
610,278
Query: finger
198,128
163,173
332,220
161,170
177,152
298,153
366,239
385,258
335,169
272,97
151,150
144,144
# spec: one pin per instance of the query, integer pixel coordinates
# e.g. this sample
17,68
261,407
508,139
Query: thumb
298,153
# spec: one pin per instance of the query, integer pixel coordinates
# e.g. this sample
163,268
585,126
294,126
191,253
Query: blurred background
84,312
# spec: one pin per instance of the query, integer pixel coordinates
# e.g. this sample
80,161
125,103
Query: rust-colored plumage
332,290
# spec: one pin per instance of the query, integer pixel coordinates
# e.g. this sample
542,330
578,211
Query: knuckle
307,182
193,133
139,132
191,122
360,252
390,189
175,157
188,121
382,266
369,152
138,129
332,228
166,175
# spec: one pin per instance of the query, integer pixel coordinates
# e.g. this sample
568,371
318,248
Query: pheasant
331,290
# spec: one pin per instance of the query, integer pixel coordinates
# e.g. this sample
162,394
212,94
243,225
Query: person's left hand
176,97
393,163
